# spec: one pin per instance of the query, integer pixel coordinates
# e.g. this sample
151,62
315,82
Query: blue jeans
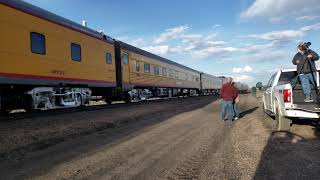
236,109
227,105
305,78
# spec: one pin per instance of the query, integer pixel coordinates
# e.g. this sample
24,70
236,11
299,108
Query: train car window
147,68
156,70
186,77
75,52
125,58
108,58
170,73
164,71
176,74
137,66
38,43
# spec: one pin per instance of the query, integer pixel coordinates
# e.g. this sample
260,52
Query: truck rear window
287,77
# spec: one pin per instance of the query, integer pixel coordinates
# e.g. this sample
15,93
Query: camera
306,45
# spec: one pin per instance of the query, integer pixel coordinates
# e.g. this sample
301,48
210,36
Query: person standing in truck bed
303,55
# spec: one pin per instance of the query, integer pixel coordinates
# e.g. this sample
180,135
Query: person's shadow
249,111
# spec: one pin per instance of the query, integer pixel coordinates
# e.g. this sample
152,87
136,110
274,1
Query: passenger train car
49,62
242,88
210,84
162,76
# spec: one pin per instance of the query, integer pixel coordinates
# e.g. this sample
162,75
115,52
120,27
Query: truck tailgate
310,107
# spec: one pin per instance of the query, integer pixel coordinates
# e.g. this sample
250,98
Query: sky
248,40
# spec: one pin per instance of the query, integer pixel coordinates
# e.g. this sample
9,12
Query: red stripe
54,22
13,75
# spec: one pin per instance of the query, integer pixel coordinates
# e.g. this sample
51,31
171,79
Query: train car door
118,62
125,57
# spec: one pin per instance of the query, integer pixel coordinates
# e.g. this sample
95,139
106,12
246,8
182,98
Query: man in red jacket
228,94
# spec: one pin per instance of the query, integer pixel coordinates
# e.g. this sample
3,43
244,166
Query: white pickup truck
285,103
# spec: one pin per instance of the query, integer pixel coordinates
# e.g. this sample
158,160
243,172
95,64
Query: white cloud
159,50
137,42
171,34
262,47
285,35
245,69
200,45
311,27
305,18
216,26
182,49
267,56
277,10
209,51
278,35
200,40
242,78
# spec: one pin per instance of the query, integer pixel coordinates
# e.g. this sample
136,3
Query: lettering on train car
59,72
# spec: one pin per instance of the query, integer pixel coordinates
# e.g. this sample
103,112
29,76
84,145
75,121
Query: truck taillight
286,95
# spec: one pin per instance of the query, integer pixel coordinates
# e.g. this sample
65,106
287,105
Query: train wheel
108,101
127,98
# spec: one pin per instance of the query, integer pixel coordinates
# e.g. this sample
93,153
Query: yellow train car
40,51
145,70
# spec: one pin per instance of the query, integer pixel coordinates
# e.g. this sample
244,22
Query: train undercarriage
46,98
38,98
143,93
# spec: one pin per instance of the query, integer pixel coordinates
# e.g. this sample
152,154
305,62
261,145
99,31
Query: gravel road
175,139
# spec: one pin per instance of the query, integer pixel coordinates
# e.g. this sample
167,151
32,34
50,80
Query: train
50,62
241,87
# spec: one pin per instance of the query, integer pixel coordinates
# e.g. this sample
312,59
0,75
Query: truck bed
298,100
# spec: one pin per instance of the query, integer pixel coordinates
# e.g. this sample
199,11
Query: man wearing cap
301,59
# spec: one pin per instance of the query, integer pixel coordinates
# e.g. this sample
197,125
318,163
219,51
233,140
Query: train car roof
153,56
46,15
212,76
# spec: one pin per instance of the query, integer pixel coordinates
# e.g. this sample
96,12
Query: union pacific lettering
59,72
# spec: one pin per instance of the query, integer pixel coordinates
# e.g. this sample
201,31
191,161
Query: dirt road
177,139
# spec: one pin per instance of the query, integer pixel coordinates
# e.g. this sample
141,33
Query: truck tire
281,123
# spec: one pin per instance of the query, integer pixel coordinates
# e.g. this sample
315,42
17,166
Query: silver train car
242,88
210,84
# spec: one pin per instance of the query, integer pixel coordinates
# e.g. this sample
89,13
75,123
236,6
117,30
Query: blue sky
246,39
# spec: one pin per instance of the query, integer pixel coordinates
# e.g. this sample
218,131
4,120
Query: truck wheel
281,123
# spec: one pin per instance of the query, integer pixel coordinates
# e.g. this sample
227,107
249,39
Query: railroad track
44,113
